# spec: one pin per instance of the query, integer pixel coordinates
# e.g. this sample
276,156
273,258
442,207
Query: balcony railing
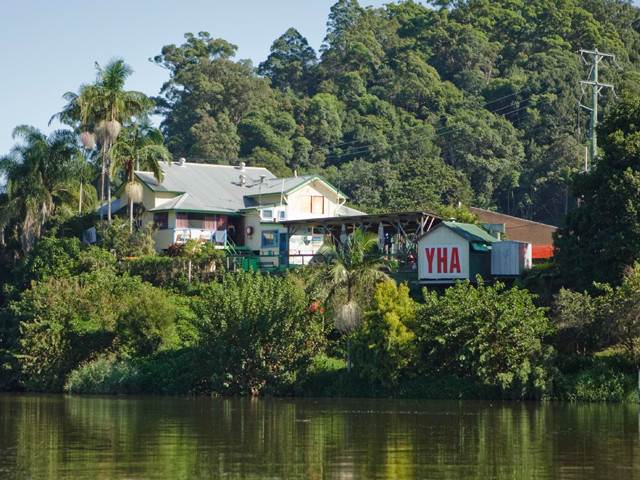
218,237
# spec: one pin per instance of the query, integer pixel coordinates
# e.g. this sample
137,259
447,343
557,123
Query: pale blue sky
50,46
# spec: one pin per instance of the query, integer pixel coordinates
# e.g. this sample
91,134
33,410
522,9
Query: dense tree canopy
602,237
489,89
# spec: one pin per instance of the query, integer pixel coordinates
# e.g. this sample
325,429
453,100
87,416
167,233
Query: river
56,437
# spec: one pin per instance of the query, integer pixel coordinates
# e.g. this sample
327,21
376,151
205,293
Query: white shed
454,251
510,258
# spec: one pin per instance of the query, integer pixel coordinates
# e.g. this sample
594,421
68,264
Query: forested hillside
412,106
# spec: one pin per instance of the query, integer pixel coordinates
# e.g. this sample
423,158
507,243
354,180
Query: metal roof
472,233
206,187
203,187
288,185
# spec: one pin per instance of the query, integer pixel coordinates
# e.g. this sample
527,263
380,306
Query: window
282,215
312,204
182,220
267,214
317,204
269,238
209,221
161,220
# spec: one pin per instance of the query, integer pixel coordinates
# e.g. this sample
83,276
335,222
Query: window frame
182,220
164,224
276,238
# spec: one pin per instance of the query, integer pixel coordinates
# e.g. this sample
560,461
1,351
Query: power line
366,148
444,117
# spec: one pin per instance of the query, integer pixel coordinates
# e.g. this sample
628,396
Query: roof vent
262,179
243,180
452,220
242,165
182,161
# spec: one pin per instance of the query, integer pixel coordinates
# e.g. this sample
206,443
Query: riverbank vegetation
83,323
406,107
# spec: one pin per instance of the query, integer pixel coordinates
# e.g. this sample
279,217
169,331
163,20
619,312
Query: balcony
217,237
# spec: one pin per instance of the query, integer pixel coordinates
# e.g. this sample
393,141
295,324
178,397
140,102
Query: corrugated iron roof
474,234
206,187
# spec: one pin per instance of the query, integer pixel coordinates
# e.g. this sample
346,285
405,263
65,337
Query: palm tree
350,266
78,115
141,146
99,110
38,181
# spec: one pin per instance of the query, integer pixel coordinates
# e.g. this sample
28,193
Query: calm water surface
156,438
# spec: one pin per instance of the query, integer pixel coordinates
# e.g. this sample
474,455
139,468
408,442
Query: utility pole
595,58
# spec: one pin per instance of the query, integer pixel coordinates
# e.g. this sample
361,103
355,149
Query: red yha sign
443,260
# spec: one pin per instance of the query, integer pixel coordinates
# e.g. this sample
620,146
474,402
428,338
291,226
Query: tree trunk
108,199
80,200
102,174
348,352
130,215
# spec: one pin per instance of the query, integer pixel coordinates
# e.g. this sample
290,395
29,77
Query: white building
236,206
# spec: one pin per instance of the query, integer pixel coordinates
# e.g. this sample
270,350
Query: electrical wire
366,148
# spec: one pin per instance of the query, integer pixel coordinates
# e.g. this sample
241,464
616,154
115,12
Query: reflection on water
156,437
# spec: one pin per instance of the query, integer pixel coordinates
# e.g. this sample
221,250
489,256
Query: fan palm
38,181
141,146
352,265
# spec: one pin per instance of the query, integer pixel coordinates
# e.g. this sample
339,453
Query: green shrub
49,257
173,372
384,347
256,332
125,244
598,383
65,322
147,321
160,271
104,376
486,333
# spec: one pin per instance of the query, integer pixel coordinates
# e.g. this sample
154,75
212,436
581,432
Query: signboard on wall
443,261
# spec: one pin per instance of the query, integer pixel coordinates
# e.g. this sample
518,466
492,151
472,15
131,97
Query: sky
50,47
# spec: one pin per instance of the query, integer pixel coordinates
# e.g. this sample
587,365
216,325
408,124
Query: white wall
315,188
443,254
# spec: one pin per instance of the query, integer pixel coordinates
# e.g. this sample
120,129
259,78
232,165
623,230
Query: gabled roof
288,185
203,187
206,187
479,239
471,232
520,229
